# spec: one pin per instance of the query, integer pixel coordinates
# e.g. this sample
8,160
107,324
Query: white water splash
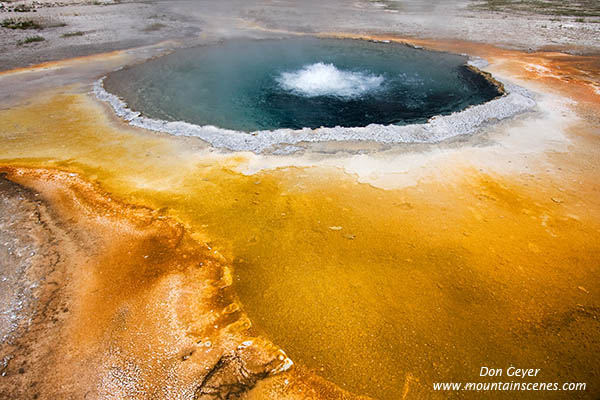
326,80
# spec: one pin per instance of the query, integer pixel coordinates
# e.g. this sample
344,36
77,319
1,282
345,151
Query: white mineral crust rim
516,100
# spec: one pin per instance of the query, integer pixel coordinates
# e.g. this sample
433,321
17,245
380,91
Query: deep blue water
253,85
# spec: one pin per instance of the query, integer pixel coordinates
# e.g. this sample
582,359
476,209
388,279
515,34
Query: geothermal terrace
291,200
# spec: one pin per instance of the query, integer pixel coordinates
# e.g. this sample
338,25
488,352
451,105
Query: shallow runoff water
252,85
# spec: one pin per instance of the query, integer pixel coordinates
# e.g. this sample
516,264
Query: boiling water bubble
321,79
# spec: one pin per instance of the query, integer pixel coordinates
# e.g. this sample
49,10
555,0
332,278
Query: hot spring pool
254,85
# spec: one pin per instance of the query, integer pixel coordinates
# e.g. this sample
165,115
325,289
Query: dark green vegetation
31,39
17,8
71,34
23,8
24,23
580,8
13,23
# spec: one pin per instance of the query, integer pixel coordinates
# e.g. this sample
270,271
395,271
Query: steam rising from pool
322,79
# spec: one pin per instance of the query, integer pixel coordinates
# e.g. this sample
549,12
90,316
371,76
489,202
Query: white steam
326,80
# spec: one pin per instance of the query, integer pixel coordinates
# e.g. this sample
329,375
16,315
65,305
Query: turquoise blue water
251,85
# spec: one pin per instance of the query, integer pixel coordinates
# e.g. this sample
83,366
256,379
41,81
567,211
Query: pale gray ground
73,28
31,301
